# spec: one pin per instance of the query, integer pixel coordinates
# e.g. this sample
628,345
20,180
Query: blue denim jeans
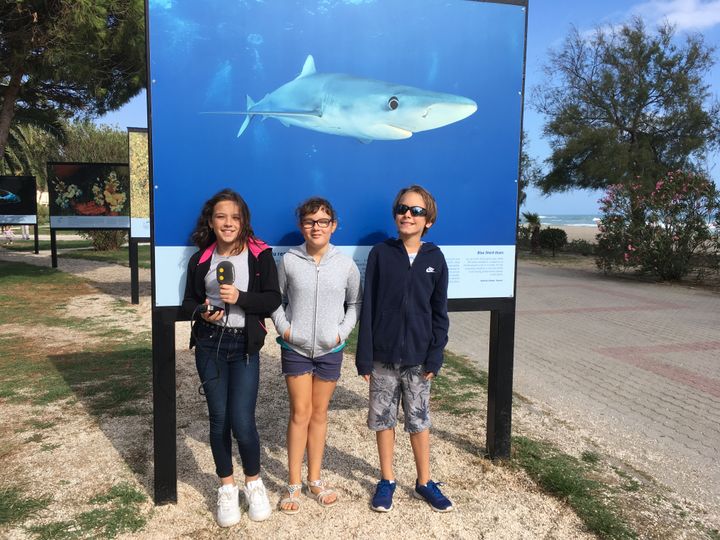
230,380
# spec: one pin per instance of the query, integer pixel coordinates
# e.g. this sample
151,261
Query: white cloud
684,14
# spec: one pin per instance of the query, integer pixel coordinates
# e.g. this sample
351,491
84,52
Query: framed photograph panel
349,100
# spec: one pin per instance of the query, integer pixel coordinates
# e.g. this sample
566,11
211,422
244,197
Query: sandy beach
581,232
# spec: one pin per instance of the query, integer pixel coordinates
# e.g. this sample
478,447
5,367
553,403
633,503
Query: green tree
530,171
65,57
533,230
625,106
80,140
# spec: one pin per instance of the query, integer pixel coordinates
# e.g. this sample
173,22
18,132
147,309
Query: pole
53,248
134,272
164,399
500,376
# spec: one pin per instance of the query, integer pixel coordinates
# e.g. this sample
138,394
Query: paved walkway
636,363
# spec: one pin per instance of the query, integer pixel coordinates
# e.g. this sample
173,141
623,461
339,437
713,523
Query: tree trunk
8,108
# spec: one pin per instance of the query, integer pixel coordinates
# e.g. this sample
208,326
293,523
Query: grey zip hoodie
320,301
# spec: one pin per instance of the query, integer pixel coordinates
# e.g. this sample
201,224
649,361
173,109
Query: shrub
533,230
583,247
553,238
43,214
659,230
105,240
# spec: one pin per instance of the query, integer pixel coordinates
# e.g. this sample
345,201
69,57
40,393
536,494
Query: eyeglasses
415,211
310,223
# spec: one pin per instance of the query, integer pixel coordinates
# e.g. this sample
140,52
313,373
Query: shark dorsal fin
308,67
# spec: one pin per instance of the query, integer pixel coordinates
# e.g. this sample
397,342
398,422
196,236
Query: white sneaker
228,507
258,504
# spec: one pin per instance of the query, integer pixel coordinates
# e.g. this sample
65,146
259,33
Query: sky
548,25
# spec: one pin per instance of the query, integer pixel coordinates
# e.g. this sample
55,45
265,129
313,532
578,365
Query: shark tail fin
246,122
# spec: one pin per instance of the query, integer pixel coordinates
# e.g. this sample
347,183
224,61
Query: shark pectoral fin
245,124
365,141
281,120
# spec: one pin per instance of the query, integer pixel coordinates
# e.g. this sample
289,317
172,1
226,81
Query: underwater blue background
207,56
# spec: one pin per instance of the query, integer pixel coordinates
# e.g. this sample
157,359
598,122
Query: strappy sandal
323,494
291,490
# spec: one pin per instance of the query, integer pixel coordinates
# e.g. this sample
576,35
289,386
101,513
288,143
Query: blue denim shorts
325,367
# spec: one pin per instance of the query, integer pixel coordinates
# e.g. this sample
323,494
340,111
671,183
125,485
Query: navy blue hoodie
404,316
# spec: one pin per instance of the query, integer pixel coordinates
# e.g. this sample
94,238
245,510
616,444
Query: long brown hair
203,236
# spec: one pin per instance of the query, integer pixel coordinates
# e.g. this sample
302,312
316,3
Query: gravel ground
84,455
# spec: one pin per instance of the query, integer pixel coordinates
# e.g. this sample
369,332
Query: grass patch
103,368
106,380
119,513
44,245
16,508
569,479
590,457
83,249
119,256
459,386
40,424
352,340
49,447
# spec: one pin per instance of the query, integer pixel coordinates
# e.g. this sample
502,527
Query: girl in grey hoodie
321,294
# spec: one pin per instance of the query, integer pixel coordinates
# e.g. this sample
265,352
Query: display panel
139,183
89,195
347,100
18,200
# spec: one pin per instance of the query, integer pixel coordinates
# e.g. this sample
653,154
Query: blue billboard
347,99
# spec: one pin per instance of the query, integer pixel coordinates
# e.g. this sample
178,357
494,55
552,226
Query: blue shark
349,106
6,197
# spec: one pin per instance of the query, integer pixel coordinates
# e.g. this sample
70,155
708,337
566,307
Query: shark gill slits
393,103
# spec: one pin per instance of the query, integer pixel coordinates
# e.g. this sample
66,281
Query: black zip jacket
404,316
261,298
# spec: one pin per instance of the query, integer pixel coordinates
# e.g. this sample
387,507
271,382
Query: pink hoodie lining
255,246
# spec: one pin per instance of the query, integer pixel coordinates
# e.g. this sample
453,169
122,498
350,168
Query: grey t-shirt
235,314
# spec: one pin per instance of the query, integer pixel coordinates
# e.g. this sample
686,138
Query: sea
570,220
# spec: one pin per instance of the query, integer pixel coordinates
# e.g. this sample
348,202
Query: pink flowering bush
660,230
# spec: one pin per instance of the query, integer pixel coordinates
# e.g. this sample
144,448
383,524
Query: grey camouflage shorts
389,386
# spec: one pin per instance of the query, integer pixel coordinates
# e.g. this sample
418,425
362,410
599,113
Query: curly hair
203,236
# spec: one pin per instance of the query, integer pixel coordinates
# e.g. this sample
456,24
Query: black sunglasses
415,211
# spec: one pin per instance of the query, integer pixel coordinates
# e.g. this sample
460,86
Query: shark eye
393,103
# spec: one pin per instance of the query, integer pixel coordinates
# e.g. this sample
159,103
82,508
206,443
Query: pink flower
627,257
659,185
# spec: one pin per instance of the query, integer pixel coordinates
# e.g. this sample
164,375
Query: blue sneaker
382,500
431,494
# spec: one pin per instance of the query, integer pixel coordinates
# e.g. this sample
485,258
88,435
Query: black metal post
500,378
164,414
134,272
53,248
37,239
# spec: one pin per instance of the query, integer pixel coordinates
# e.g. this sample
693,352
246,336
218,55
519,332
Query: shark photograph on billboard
18,200
344,99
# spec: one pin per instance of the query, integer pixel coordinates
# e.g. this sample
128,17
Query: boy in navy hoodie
403,331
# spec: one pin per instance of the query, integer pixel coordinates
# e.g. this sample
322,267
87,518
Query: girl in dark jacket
227,341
